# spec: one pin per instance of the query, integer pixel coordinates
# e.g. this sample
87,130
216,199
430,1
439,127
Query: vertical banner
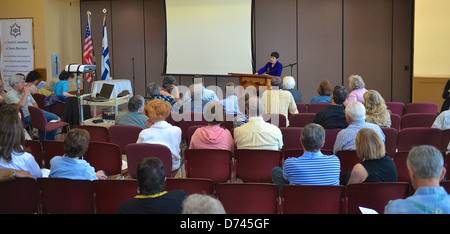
17,55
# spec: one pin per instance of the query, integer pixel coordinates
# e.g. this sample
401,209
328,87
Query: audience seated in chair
311,168
12,110
376,109
289,85
333,116
12,153
160,131
355,113
425,166
152,197
20,95
256,133
376,165
213,136
357,89
70,166
134,114
278,101
324,91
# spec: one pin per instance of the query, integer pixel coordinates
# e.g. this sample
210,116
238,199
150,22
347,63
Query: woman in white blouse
160,131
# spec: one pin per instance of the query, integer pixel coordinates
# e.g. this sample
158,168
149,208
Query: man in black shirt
334,116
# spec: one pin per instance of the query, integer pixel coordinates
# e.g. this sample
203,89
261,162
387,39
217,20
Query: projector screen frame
252,24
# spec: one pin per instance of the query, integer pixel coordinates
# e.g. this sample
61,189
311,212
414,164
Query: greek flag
106,69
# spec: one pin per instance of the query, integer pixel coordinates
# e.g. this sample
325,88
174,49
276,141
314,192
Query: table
113,102
119,86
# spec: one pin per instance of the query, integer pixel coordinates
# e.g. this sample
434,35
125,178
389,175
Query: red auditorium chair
123,135
96,133
330,138
136,152
390,142
291,138
19,196
421,107
396,107
301,119
395,121
248,198
191,185
111,194
104,156
52,149
409,137
313,199
213,164
39,121
348,159
256,165
301,107
375,195
278,120
36,150
66,196
417,120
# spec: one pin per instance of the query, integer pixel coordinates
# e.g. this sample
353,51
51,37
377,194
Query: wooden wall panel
368,43
319,45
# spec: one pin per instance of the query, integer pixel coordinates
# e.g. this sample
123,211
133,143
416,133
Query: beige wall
56,29
431,50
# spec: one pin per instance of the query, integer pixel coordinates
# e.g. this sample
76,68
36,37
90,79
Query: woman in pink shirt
213,136
357,87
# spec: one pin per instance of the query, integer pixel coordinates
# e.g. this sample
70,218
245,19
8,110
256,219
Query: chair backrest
421,107
66,196
40,99
36,150
395,121
301,119
111,194
104,156
52,149
278,120
248,198
396,107
136,152
291,138
190,119
348,159
374,195
123,135
445,139
313,199
212,164
38,119
409,137
96,133
19,196
446,185
316,107
417,120
191,185
301,107
390,141
330,138
400,163
256,165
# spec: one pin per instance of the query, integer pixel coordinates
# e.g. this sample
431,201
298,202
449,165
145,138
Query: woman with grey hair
426,169
202,204
134,114
357,86
289,85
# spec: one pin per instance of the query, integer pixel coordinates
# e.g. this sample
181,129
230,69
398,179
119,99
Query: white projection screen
208,37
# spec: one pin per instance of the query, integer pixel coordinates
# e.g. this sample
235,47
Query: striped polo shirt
312,168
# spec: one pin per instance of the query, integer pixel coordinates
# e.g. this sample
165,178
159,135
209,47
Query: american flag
88,55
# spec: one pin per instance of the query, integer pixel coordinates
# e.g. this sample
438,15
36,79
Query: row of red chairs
62,196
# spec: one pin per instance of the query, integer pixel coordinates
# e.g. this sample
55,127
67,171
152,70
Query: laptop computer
105,94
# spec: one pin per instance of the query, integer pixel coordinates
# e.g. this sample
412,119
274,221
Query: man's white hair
356,111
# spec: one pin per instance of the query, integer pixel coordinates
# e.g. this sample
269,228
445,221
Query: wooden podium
246,80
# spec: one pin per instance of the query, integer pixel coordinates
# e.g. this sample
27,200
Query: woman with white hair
357,86
288,85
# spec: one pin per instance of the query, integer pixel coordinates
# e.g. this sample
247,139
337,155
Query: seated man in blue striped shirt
313,167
